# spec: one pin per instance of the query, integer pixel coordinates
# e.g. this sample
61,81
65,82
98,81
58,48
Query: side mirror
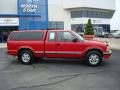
75,40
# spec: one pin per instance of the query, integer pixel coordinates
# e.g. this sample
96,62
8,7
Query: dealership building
54,14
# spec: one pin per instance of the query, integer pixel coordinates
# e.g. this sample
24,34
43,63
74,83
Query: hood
96,42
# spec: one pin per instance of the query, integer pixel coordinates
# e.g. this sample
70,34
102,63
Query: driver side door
66,47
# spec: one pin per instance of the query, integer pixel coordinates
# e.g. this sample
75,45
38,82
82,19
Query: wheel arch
94,49
22,49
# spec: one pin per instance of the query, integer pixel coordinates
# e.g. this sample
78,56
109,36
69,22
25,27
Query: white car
116,34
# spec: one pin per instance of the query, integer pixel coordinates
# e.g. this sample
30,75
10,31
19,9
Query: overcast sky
115,22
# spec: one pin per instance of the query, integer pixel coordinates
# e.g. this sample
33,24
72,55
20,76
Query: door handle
58,44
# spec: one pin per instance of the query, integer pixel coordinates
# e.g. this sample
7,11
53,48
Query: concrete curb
3,45
113,43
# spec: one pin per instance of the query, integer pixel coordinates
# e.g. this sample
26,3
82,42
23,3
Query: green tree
89,28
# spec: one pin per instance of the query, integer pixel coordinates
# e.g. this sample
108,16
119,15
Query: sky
115,21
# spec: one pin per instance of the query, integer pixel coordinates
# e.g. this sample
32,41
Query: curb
3,45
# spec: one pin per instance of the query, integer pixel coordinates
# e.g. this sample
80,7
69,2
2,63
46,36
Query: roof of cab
29,30
37,30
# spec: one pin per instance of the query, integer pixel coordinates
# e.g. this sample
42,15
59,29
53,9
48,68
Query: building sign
9,21
33,14
29,7
32,7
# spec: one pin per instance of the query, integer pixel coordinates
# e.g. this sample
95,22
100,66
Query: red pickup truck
31,44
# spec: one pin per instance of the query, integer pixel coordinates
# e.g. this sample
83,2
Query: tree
89,28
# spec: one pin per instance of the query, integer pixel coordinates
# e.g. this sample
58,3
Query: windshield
78,36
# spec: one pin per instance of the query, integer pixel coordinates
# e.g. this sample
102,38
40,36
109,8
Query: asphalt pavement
59,74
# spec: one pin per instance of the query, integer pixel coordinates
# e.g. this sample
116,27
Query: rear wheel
93,58
26,57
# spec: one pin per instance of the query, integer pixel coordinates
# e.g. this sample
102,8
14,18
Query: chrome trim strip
61,52
69,52
50,52
37,52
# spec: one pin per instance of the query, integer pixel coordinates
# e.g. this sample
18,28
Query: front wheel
26,57
93,58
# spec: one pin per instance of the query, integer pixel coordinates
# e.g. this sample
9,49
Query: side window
52,36
65,36
27,36
14,36
31,36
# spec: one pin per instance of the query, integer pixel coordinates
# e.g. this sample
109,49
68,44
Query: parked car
116,34
56,44
100,32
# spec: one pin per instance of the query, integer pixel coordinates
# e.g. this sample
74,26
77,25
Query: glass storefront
5,31
56,25
92,14
81,27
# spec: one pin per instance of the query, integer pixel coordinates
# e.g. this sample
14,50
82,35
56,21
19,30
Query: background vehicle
55,44
116,34
99,31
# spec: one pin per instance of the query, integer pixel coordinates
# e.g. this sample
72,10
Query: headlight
106,42
108,49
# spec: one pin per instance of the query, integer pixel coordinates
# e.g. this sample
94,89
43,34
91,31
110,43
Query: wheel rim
25,57
94,59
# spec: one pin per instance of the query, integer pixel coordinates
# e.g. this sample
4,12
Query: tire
26,57
93,58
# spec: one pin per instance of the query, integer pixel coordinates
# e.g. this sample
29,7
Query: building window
92,14
79,28
56,25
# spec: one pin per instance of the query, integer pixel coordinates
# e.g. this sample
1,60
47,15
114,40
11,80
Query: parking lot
59,74
113,43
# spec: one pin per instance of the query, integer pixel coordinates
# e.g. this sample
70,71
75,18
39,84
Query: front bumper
106,55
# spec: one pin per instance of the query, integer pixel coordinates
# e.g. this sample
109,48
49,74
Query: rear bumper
106,55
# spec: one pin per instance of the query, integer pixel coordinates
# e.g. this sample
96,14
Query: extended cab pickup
31,44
